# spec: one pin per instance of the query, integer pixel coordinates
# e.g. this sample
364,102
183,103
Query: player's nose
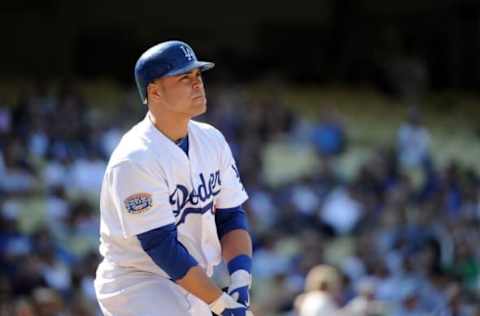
197,78
198,83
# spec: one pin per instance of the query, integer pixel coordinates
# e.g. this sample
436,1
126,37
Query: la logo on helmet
188,52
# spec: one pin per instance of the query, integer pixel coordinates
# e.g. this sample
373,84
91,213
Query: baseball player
171,202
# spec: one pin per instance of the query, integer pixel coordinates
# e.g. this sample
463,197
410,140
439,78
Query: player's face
183,94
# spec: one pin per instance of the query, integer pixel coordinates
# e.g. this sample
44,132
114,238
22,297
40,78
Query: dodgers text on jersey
204,192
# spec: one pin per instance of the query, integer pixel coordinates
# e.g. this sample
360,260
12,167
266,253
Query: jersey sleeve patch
138,203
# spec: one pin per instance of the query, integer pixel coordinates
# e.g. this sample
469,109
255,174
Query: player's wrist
240,278
239,269
240,262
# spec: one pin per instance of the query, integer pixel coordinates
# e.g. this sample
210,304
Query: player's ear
153,90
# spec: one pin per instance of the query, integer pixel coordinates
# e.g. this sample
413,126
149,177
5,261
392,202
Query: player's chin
200,102
199,105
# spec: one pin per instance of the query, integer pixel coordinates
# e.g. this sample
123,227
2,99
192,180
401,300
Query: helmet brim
201,65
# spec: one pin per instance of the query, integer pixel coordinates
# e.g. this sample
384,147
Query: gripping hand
225,305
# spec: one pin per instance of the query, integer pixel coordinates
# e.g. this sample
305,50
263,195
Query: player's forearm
235,243
237,253
199,284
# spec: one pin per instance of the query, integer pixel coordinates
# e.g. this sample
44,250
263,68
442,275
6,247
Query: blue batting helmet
169,58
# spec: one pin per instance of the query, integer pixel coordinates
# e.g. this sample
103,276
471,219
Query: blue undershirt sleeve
228,219
162,245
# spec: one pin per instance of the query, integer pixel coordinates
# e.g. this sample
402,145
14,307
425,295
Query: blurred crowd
396,238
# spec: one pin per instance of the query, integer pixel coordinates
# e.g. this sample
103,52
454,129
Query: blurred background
355,125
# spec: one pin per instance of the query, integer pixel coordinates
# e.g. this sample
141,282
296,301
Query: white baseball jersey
151,182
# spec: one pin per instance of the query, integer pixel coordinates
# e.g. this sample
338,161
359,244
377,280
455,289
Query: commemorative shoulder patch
138,203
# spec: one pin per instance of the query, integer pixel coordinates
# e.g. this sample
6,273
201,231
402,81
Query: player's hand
225,305
239,288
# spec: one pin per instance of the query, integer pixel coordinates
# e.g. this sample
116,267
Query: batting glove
225,305
240,279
